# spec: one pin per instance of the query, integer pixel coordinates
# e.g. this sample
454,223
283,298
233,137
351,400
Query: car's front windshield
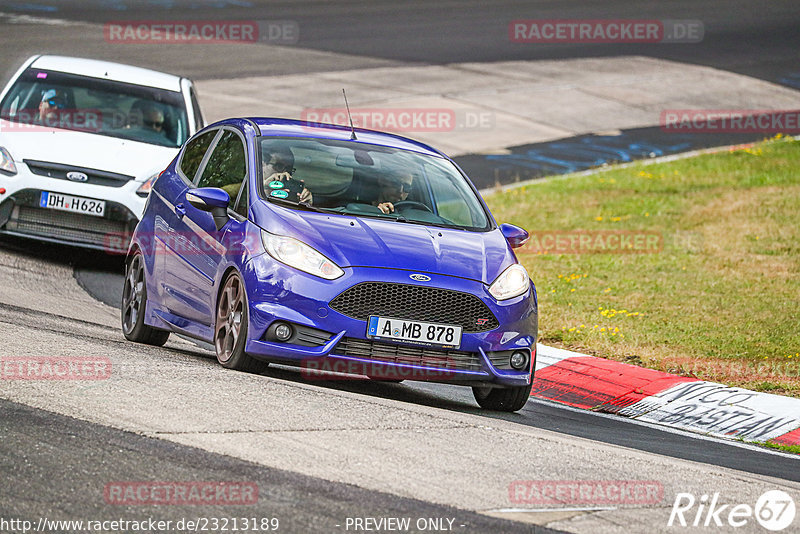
356,178
51,99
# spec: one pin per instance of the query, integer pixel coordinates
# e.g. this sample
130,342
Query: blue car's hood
372,242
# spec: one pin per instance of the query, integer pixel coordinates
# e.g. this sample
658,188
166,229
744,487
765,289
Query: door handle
180,211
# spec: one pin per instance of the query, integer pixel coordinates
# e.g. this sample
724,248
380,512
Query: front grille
73,227
94,176
416,303
421,356
311,337
500,360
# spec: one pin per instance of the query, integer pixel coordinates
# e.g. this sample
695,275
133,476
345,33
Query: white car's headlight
300,256
7,162
145,188
513,282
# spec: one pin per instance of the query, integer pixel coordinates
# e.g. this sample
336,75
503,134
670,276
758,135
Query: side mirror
515,235
211,199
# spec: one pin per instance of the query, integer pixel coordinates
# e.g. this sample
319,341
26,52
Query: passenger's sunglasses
154,124
281,166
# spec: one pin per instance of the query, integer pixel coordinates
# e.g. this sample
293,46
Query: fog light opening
518,360
283,332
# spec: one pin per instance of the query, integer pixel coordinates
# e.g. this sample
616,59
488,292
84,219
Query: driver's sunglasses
154,124
402,186
53,102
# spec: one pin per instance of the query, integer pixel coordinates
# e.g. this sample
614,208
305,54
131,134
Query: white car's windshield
369,180
71,102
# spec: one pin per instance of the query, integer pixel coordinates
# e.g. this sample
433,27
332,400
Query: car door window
194,152
243,203
226,168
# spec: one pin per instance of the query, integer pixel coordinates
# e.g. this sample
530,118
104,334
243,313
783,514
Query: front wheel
134,304
230,329
502,399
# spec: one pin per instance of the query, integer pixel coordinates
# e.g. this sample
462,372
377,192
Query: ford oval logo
420,277
77,176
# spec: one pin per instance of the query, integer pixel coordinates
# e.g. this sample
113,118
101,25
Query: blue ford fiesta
336,250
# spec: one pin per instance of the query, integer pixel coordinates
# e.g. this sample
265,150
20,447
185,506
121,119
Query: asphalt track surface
61,459
743,37
759,39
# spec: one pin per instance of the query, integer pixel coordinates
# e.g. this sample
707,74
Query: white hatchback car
81,142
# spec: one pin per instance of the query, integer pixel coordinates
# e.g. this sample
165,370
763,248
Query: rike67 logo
774,510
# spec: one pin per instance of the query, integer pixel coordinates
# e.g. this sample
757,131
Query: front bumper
332,341
21,214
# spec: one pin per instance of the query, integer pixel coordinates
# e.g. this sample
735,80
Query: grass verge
702,278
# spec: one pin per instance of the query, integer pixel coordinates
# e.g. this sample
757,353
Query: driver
153,118
393,189
148,116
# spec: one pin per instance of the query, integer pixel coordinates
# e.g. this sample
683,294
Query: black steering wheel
403,204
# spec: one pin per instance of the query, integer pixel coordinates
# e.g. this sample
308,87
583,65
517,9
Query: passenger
277,171
52,101
393,189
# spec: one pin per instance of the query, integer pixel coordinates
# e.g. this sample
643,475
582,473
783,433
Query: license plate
87,206
417,332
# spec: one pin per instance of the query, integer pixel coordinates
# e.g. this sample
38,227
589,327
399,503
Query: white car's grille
92,176
72,227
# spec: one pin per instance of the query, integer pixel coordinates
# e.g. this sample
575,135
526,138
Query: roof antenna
352,128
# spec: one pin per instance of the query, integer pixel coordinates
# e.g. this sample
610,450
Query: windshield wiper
295,204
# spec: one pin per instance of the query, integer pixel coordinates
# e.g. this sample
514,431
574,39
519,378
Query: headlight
145,188
513,282
300,256
7,162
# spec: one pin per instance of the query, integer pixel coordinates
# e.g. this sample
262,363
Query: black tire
502,399
134,304
230,328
